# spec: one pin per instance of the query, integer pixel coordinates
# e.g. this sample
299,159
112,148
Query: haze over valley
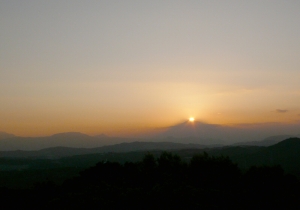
187,132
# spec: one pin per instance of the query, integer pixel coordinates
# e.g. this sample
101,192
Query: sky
122,67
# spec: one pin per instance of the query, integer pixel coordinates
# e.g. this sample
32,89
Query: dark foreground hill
266,142
24,172
285,153
165,182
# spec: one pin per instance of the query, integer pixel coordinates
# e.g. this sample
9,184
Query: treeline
165,182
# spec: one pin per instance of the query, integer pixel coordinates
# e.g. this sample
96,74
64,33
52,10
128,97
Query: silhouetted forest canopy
164,182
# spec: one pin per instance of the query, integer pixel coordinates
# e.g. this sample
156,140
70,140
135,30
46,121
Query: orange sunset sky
122,67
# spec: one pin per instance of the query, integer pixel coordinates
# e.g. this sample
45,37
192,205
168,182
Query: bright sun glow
191,119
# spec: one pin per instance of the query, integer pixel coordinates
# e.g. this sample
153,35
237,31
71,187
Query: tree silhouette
205,182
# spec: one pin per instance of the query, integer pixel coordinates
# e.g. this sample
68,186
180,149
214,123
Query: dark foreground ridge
165,182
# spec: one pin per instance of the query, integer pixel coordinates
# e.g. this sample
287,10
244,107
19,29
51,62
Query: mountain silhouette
68,139
194,132
204,133
58,152
186,132
4,135
266,142
285,153
288,148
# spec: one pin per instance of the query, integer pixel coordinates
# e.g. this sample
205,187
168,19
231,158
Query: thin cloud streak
281,111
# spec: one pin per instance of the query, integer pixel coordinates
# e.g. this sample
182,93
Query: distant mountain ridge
186,132
4,135
285,153
69,139
62,151
58,152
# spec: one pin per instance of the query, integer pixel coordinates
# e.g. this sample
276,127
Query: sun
191,119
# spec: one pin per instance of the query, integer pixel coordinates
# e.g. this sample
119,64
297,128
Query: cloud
281,110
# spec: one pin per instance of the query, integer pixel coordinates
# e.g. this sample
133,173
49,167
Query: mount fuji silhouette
204,133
